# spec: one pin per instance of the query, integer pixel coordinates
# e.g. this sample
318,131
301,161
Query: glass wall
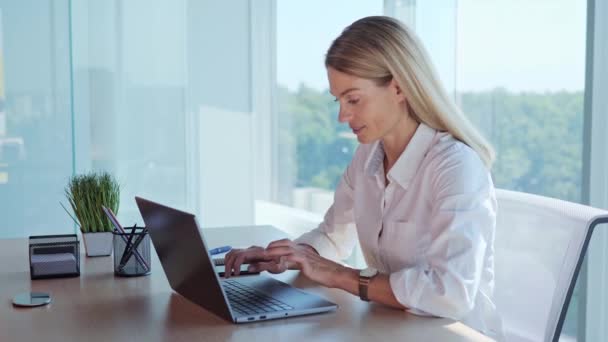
35,116
130,93
147,90
168,103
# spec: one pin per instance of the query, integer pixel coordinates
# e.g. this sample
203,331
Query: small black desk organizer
53,256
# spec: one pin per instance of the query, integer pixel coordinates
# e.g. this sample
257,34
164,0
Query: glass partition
35,116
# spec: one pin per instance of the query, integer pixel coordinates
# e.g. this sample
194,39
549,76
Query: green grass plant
87,194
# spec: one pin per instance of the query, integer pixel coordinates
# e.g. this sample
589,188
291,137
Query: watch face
369,272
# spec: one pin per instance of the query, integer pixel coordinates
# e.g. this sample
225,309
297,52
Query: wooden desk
100,307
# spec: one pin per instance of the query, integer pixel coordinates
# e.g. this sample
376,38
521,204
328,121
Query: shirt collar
408,162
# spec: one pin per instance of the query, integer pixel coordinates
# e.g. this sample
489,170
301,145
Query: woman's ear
397,91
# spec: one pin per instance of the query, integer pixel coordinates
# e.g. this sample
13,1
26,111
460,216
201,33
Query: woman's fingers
278,257
235,258
270,266
280,243
275,252
229,260
238,261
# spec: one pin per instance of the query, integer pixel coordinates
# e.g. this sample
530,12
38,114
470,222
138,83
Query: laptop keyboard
246,300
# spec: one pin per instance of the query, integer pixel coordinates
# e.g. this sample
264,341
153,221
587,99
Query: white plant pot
98,244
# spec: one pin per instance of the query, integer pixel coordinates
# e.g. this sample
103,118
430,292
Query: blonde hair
382,48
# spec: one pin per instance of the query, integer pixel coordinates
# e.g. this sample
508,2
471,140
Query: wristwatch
365,276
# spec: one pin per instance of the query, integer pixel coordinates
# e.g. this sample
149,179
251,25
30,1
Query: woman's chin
363,139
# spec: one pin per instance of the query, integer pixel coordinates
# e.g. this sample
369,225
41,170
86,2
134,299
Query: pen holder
132,253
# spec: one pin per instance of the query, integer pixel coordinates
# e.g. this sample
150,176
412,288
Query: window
315,147
521,81
528,101
35,116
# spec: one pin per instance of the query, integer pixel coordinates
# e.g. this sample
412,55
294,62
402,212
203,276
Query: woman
417,194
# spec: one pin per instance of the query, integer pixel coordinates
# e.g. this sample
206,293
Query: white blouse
431,229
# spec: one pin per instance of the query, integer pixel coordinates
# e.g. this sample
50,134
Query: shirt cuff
321,243
405,290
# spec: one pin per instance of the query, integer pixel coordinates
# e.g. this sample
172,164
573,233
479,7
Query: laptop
185,258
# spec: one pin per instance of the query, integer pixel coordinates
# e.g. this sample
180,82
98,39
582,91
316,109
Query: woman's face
373,112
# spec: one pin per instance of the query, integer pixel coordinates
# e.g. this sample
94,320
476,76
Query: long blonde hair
382,48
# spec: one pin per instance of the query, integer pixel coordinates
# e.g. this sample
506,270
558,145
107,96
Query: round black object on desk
29,299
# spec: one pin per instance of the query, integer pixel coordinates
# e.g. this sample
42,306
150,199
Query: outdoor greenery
87,194
537,136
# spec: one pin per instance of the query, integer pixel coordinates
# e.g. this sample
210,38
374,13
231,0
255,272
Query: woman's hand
282,255
285,254
236,257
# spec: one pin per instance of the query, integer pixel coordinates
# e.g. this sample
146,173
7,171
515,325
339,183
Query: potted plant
87,194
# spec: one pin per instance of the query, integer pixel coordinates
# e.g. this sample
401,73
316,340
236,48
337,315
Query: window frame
594,276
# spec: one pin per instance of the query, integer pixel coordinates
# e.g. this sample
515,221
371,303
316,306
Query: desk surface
99,307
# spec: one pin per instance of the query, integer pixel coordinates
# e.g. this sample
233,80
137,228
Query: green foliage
87,194
323,147
537,136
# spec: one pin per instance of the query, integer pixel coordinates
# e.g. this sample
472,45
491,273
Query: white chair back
539,241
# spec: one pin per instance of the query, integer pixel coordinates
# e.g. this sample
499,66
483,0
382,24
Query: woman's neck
395,142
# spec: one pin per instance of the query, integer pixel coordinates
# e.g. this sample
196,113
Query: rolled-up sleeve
336,236
446,280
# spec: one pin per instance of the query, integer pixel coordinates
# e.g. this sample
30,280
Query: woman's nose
344,116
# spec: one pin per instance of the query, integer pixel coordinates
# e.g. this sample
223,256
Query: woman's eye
353,101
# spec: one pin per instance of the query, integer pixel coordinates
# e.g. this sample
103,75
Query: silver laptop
190,270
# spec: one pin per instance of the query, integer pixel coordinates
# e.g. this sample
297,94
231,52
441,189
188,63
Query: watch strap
363,287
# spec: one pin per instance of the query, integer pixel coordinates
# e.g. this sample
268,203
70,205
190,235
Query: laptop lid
190,271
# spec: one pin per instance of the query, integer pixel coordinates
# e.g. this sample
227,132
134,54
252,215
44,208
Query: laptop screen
184,256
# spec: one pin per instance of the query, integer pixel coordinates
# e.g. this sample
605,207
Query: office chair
539,246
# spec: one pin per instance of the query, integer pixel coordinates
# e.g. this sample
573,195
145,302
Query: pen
219,250
110,214
125,253
134,246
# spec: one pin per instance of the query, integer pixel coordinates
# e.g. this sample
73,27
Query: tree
537,136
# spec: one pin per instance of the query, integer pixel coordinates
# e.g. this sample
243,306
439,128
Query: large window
315,148
523,83
520,79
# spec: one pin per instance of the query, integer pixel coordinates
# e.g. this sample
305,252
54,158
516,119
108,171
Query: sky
476,45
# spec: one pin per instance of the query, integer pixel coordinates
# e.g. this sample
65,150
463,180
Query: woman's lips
357,130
